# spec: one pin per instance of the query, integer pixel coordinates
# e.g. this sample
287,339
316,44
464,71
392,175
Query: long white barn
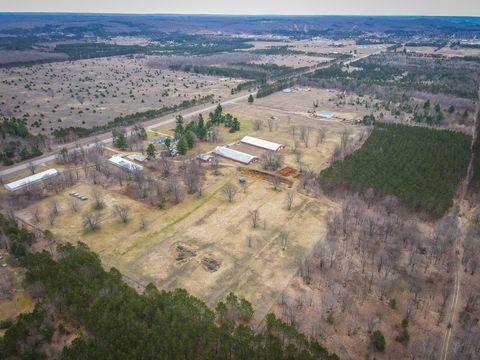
30,180
124,164
264,144
235,155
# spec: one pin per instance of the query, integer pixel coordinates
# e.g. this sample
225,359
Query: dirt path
460,209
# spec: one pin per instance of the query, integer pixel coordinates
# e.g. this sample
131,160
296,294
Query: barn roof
32,179
265,144
234,155
125,164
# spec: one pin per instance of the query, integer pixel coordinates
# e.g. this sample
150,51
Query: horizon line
224,14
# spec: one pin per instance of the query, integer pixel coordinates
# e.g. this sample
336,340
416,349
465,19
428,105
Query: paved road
106,137
149,124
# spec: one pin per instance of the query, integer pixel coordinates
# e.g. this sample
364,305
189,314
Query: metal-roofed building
124,164
160,140
235,155
205,158
264,144
30,180
324,114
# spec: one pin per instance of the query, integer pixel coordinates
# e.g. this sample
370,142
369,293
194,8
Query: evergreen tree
119,139
201,132
250,99
179,127
182,146
151,151
190,139
377,340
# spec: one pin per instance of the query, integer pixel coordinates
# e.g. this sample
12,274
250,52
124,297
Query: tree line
64,133
76,292
420,166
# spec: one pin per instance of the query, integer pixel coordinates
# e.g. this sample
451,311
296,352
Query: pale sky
284,7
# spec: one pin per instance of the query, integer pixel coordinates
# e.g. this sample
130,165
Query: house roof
265,144
32,179
125,164
234,154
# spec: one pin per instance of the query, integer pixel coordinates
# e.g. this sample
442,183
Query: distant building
204,158
235,155
30,180
125,164
324,114
159,140
260,143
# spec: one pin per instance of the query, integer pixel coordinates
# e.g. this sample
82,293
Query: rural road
106,137
149,124
462,211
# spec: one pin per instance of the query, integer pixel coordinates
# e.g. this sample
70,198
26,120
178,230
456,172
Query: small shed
204,158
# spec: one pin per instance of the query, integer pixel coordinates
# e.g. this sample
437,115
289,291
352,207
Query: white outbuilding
260,143
30,180
124,163
235,155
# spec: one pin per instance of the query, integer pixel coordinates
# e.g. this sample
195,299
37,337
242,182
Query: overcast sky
308,7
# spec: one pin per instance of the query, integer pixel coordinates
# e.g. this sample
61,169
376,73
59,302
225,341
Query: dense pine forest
110,320
421,166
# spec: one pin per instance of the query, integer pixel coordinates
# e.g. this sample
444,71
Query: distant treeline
421,166
277,50
259,72
17,143
269,89
128,119
434,74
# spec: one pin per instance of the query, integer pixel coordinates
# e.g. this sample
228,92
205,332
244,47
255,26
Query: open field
209,224
445,51
93,92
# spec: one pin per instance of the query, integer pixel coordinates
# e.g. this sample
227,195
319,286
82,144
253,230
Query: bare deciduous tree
123,211
74,205
289,198
271,160
91,220
284,239
31,166
257,125
52,212
229,191
270,124
98,203
255,217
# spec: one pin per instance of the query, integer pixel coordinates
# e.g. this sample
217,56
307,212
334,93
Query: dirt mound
181,252
211,263
287,171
